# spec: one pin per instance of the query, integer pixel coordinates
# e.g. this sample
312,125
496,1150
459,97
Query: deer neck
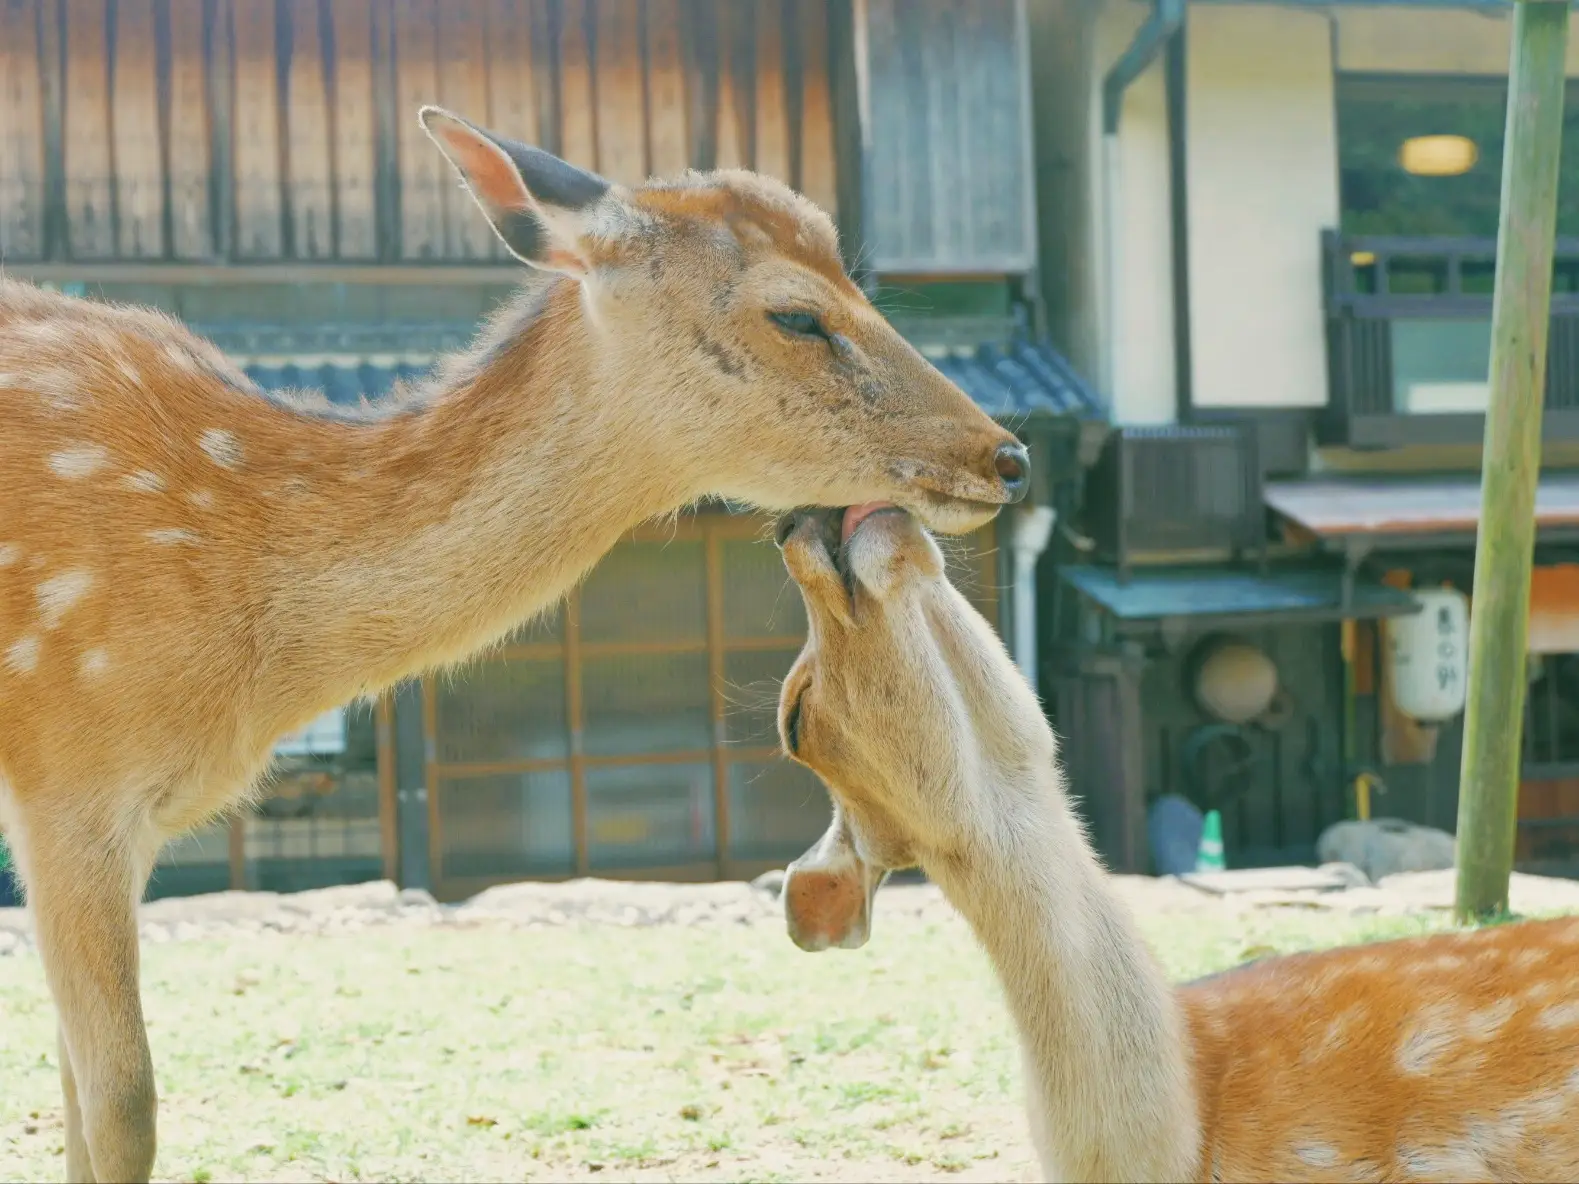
1108,1081
457,521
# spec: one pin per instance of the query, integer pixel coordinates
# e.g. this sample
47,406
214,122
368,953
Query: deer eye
801,324
792,725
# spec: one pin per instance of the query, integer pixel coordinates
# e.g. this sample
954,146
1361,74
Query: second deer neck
462,519
1108,1081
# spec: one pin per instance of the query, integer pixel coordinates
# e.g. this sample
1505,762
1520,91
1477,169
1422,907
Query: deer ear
538,204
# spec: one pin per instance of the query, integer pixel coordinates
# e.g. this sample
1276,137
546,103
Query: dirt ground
606,1031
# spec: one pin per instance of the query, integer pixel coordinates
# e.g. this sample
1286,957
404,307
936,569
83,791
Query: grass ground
583,1053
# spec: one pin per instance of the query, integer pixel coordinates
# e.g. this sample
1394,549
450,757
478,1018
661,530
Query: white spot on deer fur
222,448
1484,1023
81,461
1317,1155
181,357
1528,957
94,663
1456,1162
1537,991
1559,1015
1430,1037
201,498
8,380
58,389
129,372
57,594
143,481
172,536
23,655
9,554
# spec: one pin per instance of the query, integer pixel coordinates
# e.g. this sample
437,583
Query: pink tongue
854,515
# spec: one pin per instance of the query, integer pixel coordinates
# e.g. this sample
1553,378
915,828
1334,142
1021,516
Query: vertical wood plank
668,136
22,188
575,711
388,802
222,101
255,143
424,173
430,774
89,169
355,131
237,849
733,35
772,124
512,82
189,169
620,96
463,88
578,141
138,149
308,169
425,177
512,87
717,703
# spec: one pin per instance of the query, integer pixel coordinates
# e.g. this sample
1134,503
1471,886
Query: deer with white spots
189,569
1450,1057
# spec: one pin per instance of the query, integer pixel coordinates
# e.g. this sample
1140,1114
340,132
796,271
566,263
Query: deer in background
1451,1057
188,569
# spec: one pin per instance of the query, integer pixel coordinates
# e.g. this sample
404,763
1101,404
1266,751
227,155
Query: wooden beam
1510,464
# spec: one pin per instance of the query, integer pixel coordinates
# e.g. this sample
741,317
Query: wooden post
1510,465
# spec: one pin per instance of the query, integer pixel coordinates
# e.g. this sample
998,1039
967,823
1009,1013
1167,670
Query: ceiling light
1438,156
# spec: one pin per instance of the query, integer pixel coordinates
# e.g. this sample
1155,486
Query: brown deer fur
189,569
1452,1057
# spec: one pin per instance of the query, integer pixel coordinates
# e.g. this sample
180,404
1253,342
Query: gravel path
632,903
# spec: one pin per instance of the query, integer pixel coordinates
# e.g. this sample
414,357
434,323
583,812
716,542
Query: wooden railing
1373,282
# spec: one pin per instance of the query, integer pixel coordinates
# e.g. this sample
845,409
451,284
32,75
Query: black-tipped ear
534,200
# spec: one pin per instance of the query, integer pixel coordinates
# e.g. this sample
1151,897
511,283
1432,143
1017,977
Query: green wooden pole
1510,465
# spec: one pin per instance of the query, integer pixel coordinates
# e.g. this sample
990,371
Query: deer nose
1012,463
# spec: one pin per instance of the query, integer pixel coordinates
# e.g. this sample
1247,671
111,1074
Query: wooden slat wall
257,135
90,173
135,131
463,87
22,194
189,158
424,173
355,130
309,180
515,30
255,140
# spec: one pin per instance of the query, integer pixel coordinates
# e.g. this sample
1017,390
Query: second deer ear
538,204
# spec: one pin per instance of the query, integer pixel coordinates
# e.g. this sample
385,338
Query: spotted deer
1450,1057
190,569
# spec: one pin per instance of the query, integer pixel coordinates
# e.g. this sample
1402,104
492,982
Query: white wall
1141,385
1262,161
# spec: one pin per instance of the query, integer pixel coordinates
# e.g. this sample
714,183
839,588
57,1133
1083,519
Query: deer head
906,704
722,297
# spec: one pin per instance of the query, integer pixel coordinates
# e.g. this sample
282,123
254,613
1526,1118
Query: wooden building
256,167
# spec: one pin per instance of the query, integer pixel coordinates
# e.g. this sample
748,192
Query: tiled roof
346,380
1024,378
1013,382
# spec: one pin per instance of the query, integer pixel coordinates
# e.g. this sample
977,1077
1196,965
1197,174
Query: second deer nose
1012,463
